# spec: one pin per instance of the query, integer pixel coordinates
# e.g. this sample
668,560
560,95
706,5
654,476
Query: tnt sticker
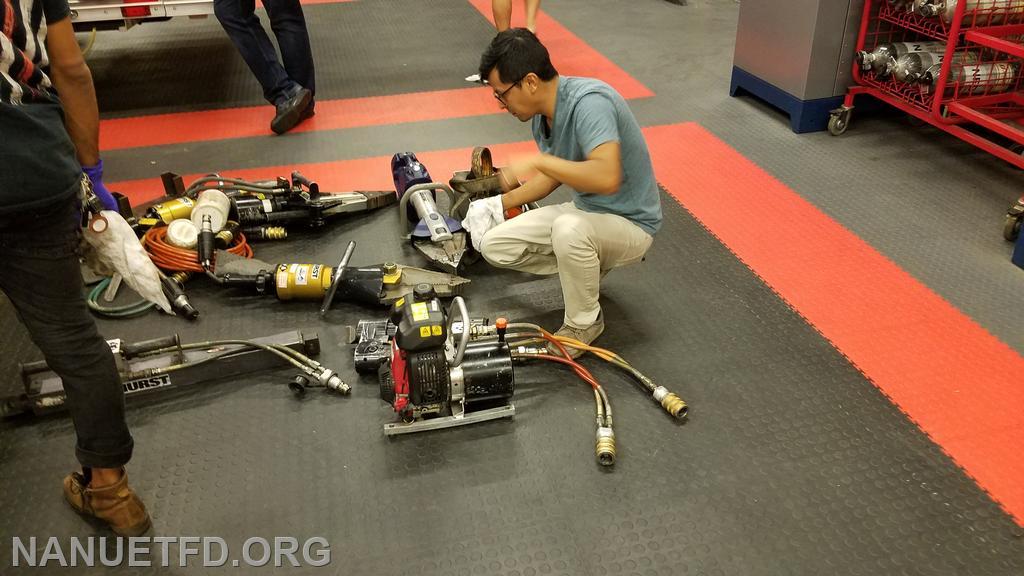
302,275
316,271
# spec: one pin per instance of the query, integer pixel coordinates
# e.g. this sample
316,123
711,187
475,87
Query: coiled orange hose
169,257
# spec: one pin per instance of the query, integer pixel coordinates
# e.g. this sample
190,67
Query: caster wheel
837,124
1011,227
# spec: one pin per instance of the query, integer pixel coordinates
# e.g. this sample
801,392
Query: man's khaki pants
577,245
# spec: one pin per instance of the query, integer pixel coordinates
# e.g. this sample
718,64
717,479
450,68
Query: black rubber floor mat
790,463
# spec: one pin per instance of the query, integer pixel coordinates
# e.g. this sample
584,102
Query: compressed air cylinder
884,56
216,205
922,67
979,78
976,12
183,234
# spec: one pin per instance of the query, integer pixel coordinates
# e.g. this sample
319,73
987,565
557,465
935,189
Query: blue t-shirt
589,113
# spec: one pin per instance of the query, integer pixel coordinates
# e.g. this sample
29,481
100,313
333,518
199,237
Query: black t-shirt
37,159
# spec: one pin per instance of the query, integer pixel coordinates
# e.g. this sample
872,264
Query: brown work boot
584,335
116,504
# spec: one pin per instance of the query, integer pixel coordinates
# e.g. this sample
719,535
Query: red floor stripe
330,115
960,384
572,56
360,174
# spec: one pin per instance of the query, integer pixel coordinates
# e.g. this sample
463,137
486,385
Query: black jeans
42,277
289,25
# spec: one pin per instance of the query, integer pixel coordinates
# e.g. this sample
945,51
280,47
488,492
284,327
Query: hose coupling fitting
672,404
328,378
605,446
530,350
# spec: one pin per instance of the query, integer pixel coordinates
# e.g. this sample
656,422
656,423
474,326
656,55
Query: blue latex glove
95,174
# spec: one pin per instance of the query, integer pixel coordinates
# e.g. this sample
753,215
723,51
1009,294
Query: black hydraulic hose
235,181
306,363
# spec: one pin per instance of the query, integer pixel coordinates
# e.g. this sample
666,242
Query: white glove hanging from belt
481,216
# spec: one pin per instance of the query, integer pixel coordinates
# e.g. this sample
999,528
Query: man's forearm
78,96
589,176
533,190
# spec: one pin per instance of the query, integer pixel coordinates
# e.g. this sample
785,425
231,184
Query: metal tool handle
403,205
464,340
336,279
134,349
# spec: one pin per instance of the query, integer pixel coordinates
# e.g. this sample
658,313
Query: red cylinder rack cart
971,85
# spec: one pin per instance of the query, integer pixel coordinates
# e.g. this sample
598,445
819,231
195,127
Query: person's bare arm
533,190
600,173
73,81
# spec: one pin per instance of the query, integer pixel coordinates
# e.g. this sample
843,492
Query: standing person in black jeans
290,88
47,144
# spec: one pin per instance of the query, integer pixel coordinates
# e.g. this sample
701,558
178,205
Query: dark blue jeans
42,277
289,25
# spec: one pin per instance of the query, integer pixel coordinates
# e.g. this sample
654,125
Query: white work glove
481,216
115,245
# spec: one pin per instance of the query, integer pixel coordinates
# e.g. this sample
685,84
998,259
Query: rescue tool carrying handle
336,279
403,204
464,339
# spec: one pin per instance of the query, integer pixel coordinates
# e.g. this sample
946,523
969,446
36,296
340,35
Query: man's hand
513,175
481,216
95,174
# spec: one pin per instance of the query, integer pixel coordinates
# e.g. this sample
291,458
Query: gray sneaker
585,335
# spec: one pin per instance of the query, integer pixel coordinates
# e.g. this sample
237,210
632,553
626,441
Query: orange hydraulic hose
168,257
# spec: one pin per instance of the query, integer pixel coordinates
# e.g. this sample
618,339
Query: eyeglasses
500,96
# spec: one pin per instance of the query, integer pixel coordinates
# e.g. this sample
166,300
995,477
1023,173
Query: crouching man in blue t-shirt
589,142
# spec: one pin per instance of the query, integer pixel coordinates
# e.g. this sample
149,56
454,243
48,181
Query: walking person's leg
243,27
502,10
289,25
531,14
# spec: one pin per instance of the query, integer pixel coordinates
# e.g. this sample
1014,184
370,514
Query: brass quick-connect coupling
275,233
672,404
328,378
605,446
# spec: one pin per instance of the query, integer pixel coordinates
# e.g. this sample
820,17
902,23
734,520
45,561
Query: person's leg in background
44,284
239,20
502,10
531,14
290,100
289,25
